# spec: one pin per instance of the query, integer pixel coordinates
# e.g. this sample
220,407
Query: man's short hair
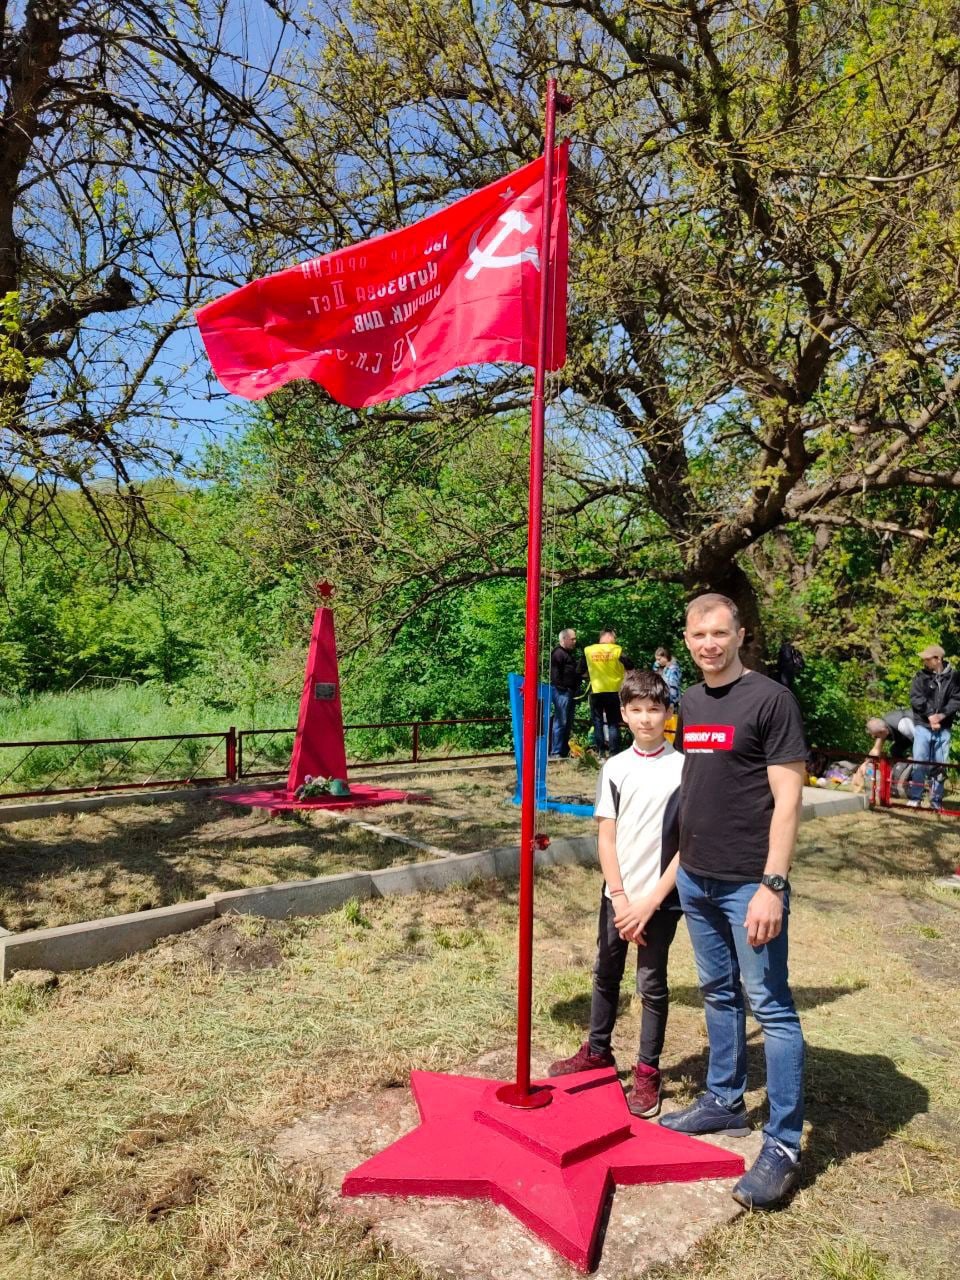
606,631
639,683
713,600
879,728
567,631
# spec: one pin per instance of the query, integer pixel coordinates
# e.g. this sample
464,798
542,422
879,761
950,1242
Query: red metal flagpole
478,1138
520,1093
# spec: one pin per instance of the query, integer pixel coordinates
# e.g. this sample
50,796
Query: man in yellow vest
606,666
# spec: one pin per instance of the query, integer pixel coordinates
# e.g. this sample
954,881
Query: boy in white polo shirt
638,796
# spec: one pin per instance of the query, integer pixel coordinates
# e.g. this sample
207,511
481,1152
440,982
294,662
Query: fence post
416,741
885,773
231,737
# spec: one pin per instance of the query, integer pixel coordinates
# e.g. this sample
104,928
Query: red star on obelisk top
553,1167
324,589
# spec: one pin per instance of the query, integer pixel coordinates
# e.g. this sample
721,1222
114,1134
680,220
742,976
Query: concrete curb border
93,942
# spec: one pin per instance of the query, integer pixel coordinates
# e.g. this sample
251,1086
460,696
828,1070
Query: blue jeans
933,745
562,724
726,964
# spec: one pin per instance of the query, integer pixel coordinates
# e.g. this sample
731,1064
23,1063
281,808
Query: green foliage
833,707
218,637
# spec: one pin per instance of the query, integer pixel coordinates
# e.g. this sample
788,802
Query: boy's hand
631,917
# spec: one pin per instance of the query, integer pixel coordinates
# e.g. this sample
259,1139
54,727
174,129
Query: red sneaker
583,1060
643,1100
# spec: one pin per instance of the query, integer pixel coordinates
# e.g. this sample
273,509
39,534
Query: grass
124,710
85,865
140,1101
127,709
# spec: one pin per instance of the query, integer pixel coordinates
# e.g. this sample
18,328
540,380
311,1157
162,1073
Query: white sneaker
913,804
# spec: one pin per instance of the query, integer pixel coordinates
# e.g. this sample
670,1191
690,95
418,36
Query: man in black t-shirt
742,739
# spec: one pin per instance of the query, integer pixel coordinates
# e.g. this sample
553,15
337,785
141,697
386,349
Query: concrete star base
554,1168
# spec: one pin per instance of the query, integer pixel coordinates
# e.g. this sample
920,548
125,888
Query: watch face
775,882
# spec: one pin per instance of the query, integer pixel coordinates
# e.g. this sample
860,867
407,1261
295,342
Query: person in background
607,664
790,663
935,701
567,670
896,727
666,665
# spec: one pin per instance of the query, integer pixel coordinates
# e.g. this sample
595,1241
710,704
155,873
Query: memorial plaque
324,692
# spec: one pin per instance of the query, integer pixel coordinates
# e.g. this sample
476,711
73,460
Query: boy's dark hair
644,684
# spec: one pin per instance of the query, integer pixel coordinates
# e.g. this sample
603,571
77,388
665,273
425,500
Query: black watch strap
777,883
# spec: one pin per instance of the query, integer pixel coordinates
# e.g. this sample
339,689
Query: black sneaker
770,1179
583,1060
708,1115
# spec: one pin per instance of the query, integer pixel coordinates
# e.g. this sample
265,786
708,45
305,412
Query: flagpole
520,1093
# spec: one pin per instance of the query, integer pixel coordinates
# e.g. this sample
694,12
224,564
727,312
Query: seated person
896,727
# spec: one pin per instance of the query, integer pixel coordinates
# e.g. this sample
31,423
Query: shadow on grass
854,1101
889,842
576,1012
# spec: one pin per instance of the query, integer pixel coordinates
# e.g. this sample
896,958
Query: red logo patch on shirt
707,737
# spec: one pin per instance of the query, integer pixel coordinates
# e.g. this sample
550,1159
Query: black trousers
605,710
651,981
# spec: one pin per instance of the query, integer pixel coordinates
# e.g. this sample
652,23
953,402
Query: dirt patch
153,1130
926,931
110,1061
223,944
178,1189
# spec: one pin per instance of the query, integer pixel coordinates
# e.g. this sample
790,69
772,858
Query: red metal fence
883,791
77,766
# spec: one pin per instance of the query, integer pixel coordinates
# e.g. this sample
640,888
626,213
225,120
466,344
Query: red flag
389,315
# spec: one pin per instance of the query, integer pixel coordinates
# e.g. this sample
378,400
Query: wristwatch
776,883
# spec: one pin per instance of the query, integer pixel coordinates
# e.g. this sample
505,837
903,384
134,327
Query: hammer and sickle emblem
513,221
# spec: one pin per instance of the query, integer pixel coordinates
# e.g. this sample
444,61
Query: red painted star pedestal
554,1167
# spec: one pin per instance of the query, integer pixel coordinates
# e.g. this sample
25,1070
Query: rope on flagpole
550,572
520,1094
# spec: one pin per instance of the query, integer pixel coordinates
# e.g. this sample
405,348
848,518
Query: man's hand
764,918
936,720
631,918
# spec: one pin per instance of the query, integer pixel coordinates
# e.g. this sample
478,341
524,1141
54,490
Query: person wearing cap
935,701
